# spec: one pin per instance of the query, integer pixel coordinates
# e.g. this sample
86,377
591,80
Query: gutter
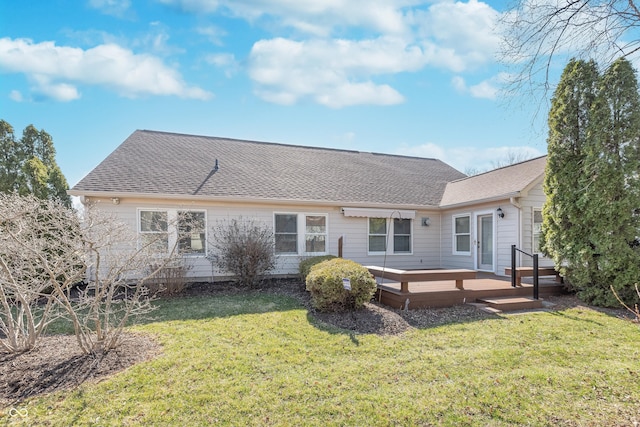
510,196
87,195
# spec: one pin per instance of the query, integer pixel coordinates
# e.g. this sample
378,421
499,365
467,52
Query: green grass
261,360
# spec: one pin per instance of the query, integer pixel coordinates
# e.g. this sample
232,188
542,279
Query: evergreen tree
564,231
612,190
28,165
590,218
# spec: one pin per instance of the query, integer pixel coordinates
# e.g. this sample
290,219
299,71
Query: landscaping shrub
307,264
245,248
327,289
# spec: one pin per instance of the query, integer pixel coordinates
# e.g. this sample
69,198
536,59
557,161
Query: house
319,201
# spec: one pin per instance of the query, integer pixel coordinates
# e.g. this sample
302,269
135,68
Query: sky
408,77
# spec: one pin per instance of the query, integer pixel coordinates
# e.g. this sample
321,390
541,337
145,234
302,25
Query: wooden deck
443,294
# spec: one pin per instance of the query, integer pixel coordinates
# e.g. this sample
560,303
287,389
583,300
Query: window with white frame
154,230
286,233
401,236
192,232
300,232
377,234
462,234
400,229
315,234
537,230
162,229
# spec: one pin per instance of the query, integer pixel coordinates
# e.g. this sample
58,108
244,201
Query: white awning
379,213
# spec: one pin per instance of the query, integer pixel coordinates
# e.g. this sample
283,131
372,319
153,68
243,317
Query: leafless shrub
45,249
245,248
40,259
170,278
119,269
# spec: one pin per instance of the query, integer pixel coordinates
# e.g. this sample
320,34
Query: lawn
263,360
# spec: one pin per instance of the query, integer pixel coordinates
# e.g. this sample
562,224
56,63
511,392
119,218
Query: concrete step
512,303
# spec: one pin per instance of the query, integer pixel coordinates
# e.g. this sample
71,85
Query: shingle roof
499,183
150,162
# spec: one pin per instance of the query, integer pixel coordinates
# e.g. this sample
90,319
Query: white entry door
485,242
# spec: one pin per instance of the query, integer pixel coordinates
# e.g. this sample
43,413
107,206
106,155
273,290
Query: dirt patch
57,363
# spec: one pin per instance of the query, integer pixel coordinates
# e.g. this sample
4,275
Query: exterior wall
432,245
533,201
354,231
505,234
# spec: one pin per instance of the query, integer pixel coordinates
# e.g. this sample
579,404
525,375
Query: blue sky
405,77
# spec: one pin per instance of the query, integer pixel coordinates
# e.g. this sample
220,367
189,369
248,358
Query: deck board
441,293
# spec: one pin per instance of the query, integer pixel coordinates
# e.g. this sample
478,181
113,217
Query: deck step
512,303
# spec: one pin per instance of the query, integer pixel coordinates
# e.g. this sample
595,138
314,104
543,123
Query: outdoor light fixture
115,201
500,213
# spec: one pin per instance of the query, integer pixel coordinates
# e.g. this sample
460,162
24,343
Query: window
312,239
537,229
462,234
377,234
401,236
315,234
400,229
164,229
191,233
154,230
286,233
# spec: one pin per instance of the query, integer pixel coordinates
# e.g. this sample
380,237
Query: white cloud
354,48
334,73
56,71
213,33
487,89
16,96
468,158
317,17
225,61
117,8
459,36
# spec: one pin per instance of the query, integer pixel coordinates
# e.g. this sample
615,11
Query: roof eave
480,201
227,199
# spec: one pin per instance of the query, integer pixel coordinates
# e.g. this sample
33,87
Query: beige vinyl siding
505,234
449,258
534,200
425,243
425,240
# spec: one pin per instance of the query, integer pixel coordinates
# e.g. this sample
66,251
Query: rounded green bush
327,290
306,264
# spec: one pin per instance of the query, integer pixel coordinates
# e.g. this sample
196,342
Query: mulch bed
57,363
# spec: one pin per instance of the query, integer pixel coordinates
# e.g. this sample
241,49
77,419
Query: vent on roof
216,167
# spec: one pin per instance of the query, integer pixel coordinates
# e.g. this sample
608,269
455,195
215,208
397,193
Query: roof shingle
150,162
499,183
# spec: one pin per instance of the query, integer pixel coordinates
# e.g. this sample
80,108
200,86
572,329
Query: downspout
514,202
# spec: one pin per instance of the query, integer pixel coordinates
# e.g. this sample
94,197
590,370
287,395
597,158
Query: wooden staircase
497,305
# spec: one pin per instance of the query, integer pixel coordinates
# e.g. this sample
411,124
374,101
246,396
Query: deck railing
535,269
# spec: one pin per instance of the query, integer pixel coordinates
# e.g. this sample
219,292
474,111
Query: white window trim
535,250
206,231
301,233
302,219
454,242
172,228
389,236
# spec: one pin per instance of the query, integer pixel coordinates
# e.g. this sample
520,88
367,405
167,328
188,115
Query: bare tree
543,33
40,260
